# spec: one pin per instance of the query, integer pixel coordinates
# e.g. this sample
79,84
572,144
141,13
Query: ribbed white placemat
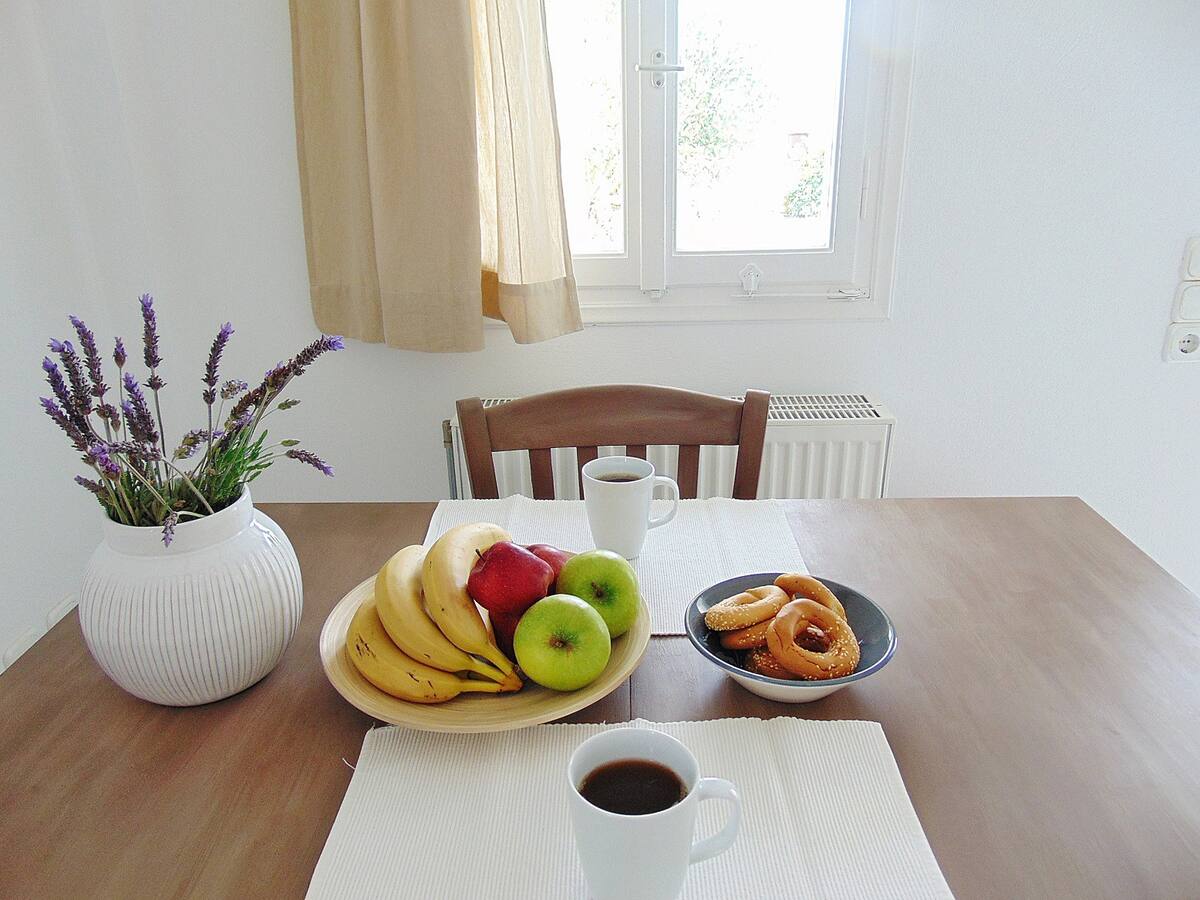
708,541
825,814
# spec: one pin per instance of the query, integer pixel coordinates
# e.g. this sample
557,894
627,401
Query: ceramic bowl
874,630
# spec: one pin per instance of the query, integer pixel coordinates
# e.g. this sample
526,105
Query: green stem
150,487
195,490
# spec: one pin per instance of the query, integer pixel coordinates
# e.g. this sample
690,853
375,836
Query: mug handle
673,490
717,789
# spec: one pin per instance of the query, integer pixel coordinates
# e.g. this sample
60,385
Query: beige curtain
429,171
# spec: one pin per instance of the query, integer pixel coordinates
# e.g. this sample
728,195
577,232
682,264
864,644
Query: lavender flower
63,421
97,455
111,414
137,452
214,362
169,523
233,426
94,486
192,441
130,479
137,414
232,388
311,459
55,380
306,357
81,395
150,344
87,340
149,333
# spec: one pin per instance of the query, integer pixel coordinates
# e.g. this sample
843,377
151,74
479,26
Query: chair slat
638,450
752,433
689,470
542,473
585,455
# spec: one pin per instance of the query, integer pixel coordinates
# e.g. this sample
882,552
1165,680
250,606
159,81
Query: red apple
508,579
552,555
504,625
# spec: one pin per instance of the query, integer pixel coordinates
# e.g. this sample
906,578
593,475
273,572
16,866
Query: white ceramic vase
199,620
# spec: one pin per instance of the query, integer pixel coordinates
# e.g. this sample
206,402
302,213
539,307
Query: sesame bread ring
745,609
761,662
756,636
795,584
746,638
841,658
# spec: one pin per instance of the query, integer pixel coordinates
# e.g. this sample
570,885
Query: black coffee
618,477
632,787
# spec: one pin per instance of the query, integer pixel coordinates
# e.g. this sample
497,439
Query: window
731,160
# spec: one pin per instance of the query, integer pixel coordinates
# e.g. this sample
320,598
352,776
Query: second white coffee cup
644,857
617,492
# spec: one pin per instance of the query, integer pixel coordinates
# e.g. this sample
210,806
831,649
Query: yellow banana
384,665
402,611
447,565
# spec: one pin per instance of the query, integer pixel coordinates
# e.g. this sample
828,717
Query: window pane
756,123
585,52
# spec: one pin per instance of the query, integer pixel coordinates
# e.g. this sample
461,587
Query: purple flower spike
192,441
232,388
94,486
63,421
97,455
311,459
137,414
91,355
55,380
81,394
214,362
149,332
324,344
169,524
119,354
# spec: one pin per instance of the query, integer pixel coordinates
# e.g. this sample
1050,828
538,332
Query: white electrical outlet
1183,342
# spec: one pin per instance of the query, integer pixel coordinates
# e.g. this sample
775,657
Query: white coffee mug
619,511
644,857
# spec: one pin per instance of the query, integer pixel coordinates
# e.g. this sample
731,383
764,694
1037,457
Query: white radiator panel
817,446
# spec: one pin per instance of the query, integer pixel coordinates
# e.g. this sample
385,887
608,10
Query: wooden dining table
1043,707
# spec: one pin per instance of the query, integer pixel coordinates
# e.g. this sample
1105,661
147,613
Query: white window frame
651,282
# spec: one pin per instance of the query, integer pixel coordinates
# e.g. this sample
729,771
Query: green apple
606,581
562,643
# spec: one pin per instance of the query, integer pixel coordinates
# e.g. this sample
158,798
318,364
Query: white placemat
709,541
825,815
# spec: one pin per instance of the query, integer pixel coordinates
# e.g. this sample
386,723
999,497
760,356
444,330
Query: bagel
746,638
761,662
745,609
838,660
797,584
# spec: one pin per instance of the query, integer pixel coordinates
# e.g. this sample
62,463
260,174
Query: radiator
817,445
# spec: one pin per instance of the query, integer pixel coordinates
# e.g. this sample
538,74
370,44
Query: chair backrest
629,415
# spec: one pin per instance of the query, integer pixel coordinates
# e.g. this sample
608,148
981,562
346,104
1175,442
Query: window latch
750,276
657,68
849,294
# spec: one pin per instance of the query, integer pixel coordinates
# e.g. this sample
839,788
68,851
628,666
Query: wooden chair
629,415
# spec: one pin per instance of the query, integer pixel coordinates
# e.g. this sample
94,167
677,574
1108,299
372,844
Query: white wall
1051,181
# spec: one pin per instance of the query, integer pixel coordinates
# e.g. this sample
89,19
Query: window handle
658,67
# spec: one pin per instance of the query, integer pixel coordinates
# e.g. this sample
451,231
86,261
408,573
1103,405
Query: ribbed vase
199,620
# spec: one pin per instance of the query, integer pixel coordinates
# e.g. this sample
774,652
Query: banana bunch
420,635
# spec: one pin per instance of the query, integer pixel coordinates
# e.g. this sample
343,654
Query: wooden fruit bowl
472,712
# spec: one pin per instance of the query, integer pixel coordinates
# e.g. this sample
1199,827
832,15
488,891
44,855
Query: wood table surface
1043,707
